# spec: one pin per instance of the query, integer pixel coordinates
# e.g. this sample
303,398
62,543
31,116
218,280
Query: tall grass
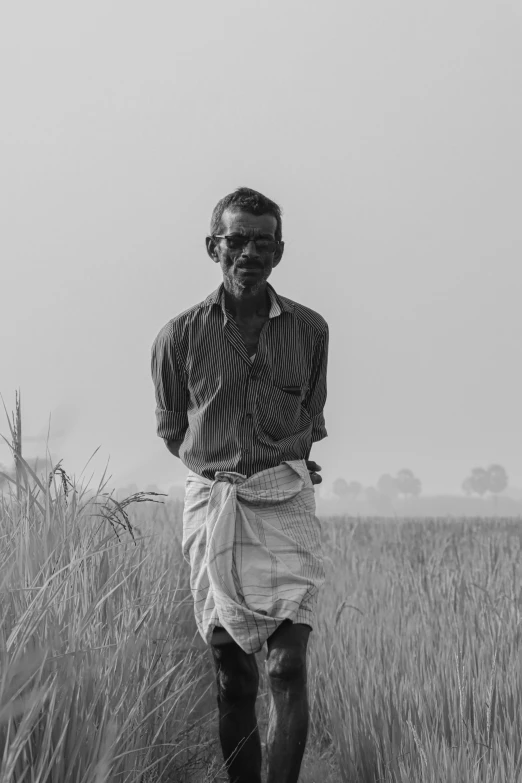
101,674
414,664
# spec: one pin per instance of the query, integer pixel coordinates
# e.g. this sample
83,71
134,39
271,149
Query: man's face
247,267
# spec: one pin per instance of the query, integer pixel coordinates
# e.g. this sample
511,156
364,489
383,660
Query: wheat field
414,664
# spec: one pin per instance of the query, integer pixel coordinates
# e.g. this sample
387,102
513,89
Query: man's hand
313,469
173,446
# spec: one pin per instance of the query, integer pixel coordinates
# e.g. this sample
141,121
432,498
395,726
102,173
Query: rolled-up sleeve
315,398
170,384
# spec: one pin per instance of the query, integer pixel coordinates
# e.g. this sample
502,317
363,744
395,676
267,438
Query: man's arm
315,400
170,385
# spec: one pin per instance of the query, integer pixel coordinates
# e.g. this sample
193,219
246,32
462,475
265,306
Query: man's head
246,200
245,239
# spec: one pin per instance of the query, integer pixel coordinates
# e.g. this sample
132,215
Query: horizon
323,491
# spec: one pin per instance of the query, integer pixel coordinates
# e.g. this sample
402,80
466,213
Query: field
414,666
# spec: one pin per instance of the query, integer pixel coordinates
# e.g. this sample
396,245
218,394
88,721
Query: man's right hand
313,469
173,446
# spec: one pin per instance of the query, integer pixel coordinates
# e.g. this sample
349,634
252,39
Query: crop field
414,665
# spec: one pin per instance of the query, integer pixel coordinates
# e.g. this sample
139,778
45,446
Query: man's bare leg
288,717
237,679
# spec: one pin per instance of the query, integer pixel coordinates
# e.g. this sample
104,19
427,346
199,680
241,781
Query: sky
389,133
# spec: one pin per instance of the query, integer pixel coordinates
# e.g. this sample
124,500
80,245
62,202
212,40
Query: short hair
247,200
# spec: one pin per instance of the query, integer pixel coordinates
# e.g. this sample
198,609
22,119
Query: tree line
481,480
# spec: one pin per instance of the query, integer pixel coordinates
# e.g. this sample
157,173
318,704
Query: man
240,382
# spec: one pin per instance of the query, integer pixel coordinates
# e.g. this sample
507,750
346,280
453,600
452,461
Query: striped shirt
233,413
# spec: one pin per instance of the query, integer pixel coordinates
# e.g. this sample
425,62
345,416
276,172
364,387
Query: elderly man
240,382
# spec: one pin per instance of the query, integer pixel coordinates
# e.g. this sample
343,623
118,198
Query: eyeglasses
239,241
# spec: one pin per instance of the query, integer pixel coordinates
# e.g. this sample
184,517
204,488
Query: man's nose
250,249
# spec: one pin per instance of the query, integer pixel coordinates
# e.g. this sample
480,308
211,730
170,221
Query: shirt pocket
290,381
281,413
295,391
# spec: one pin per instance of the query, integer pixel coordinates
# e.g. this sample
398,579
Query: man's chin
253,288
247,287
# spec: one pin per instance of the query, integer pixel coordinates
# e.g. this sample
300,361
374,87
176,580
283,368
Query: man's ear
278,254
212,249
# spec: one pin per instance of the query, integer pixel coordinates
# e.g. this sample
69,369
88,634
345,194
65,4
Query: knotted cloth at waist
254,548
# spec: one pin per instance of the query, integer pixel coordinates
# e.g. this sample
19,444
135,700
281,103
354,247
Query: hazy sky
390,133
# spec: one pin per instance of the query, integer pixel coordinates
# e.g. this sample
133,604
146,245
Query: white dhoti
254,548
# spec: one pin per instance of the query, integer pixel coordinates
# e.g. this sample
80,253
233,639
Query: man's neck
246,304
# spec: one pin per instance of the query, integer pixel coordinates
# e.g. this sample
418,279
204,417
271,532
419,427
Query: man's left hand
313,469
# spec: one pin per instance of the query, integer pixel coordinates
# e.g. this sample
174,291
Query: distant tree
498,481
152,488
341,488
497,478
355,488
467,487
124,492
387,486
39,465
407,483
477,483
494,480
176,492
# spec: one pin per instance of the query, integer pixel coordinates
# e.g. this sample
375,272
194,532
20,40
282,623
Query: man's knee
237,677
287,667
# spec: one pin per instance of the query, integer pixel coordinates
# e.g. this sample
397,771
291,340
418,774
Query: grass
414,665
101,676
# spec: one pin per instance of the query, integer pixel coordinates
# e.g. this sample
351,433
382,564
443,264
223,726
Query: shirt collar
277,305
